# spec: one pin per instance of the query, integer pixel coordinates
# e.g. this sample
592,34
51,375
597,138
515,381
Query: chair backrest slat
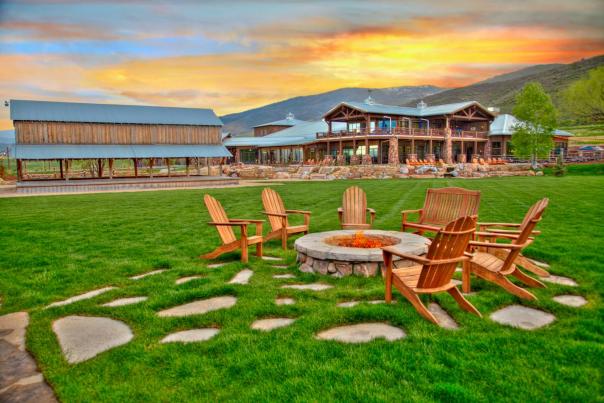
354,204
451,242
219,215
532,217
273,203
443,205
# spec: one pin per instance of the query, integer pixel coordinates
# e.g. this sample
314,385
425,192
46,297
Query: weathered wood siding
106,133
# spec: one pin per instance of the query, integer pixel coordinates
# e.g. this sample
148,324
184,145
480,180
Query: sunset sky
235,55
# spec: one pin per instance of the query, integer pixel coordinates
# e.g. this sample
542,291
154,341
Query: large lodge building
367,132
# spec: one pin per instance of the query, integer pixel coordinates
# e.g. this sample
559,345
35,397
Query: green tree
583,100
532,137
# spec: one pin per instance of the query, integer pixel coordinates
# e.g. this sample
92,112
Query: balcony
469,134
396,131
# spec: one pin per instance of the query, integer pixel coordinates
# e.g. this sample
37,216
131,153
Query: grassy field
586,134
59,246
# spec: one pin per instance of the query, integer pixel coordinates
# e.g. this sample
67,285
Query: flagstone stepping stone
12,328
271,258
216,265
271,323
444,320
570,300
281,276
81,297
285,301
522,317
312,286
199,307
125,301
243,277
362,333
543,265
183,280
20,380
147,274
191,336
350,304
559,280
280,266
83,337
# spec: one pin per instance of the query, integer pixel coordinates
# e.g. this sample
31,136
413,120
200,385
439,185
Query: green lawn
55,247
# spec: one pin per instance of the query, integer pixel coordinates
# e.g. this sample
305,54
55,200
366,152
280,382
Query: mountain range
498,91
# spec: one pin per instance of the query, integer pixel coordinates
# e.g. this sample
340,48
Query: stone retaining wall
376,171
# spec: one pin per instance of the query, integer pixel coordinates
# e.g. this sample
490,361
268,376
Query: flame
359,240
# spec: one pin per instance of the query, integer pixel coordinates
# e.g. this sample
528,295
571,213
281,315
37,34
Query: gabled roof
108,113
503,125
444,109
301,134
283,122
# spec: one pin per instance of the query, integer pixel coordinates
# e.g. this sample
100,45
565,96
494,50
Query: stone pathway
199,307
522,317
285,301
20,380
191,336
312,286
559,280
81,297
147,274
216,265
282,276
271,323
243,277
350,304
83,337
543,265
444,320
271,258
570,300
183,280
125,301
362,333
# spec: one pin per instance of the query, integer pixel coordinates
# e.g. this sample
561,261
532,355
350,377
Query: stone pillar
366,159
487,149
393,151
354,159
431,157
340,159
237,155
448,151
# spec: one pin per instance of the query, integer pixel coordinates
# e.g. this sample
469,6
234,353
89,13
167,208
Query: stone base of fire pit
317,254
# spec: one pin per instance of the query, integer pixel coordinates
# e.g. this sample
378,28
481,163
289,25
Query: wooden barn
113,141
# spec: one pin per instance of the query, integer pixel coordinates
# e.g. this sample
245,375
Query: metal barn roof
70,151
503,125
301,134
108,113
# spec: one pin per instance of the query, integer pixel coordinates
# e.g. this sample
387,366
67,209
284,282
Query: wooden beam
110,168
135,160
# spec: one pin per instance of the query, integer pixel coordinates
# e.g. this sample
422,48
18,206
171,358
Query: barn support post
100,167
150,167
19,170
61,169
187,161
197,166
168,164
135,160
67,164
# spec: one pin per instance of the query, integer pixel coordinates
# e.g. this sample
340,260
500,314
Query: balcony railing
404,131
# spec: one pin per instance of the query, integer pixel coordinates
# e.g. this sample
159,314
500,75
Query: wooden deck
117,184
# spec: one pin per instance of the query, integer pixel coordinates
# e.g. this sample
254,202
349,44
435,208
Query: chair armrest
498,245
405,212
495,235
371,215
298,212
229,224
498,224
509,231
274,214
245,220
340,210
423,260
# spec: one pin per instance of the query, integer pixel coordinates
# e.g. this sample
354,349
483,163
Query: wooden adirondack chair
442,206
434,272
224,226
496,269
503,229
277,217
353,213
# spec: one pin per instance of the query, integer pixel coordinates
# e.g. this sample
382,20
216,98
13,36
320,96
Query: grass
59,246
586,134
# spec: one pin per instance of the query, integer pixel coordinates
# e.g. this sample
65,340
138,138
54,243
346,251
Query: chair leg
284,238
259,248
513,288
415,301
463,302
528,280
465,277
244,255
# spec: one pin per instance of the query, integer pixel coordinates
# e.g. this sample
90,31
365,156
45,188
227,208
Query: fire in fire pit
360,240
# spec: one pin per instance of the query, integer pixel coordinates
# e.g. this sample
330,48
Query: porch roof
381,109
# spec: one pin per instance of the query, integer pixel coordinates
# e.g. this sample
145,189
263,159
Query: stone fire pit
320,252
